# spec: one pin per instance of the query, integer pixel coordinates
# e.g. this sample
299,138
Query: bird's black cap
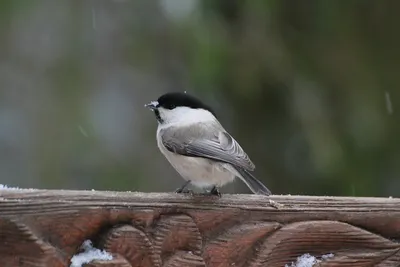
177,99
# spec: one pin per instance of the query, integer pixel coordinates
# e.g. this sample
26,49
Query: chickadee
198,147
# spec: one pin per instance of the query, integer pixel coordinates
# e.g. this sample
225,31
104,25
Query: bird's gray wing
206,141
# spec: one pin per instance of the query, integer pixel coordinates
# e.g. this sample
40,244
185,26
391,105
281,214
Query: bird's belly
201,172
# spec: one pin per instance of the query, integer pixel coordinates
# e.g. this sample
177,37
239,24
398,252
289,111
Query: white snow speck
90,254
3,186
327,256
306,260
94,19
389,106
83,132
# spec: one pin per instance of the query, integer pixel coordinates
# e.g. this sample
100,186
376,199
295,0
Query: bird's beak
152,105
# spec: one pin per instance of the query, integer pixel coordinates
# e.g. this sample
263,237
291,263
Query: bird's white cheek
165,115
161,112
185,115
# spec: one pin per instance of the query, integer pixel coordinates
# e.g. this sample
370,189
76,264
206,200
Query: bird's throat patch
157,113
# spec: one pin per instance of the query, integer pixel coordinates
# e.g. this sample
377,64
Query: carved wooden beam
46,228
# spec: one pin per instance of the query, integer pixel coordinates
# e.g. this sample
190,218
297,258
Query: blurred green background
309,88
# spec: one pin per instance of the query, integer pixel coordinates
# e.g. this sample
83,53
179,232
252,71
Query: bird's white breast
202,172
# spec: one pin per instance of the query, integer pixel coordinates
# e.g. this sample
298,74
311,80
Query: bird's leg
215,191
183,189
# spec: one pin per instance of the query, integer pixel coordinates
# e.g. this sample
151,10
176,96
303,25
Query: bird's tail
252,182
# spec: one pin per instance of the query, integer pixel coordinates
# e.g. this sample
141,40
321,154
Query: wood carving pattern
46,228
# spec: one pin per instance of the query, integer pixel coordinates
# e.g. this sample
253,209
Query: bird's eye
171,106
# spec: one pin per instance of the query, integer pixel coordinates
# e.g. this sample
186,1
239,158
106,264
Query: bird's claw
184,191
215,192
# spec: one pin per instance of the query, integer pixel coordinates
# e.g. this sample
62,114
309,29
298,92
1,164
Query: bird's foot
214,192
184,191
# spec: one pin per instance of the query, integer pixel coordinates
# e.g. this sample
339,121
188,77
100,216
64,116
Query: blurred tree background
309,88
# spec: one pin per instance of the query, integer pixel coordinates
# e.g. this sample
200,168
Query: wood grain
46,228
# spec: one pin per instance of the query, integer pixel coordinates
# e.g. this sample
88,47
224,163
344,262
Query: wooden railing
47,228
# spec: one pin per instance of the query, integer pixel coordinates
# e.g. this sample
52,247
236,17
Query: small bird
198,147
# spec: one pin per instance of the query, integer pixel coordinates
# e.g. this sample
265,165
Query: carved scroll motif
172,235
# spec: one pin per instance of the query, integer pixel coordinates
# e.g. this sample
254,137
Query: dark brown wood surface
46,228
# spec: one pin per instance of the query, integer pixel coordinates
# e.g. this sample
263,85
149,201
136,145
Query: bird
195,143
